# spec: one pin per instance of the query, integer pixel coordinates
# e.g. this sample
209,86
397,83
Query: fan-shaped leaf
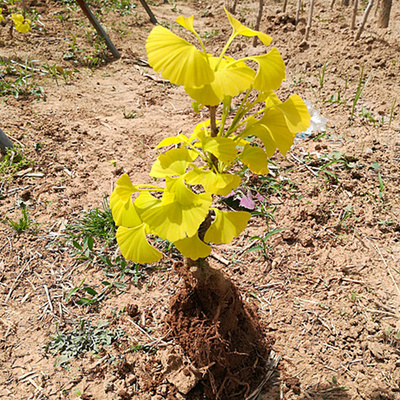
178,60
193,247
134,245
221,184
226,226
271,71
124,214
173,162
255,159
239,29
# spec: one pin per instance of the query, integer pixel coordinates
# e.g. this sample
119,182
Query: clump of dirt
220,334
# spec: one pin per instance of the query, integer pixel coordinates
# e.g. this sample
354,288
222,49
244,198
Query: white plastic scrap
317,123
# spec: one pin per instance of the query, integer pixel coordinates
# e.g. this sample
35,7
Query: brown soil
219,334
326,288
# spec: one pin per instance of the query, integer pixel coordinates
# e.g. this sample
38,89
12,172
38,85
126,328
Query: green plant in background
321,75
13,161
206,164
81,339
92,237
24,83
359,90
24,223
92,224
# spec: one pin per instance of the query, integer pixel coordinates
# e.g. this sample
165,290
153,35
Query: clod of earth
219,332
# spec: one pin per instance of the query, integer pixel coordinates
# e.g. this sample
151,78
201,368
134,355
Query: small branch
93,20
259,16
309,20
364,20
353,19
298,11
48,297
213,121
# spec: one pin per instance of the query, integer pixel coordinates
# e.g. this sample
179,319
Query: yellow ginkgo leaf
21,24
255,159
231,79
178,61
173,140
1,16
124,214
271,71
134,245
125,189
296,113
187,22
226,226
239,29
273,131
222,148
169,218
193,247
221,184
173,162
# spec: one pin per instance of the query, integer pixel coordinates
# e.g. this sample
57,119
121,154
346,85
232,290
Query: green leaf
89,243
77,245
90,290
375,166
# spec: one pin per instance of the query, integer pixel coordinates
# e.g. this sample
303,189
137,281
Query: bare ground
326,287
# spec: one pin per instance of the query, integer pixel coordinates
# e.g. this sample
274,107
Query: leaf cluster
82,338
205,164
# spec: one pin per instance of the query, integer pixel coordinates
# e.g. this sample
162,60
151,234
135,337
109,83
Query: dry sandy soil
325,287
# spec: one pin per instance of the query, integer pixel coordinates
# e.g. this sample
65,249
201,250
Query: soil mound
219,333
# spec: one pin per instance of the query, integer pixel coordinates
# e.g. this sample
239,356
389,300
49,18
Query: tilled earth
325,287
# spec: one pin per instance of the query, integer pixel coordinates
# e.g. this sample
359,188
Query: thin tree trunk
384,13
377,7
231,6
333,3
257,27
309,20
298,11
353,19
93,20
345,3
284,6
364,20
5,142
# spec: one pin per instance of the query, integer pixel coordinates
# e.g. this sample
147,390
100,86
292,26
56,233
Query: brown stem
213,120
214,131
